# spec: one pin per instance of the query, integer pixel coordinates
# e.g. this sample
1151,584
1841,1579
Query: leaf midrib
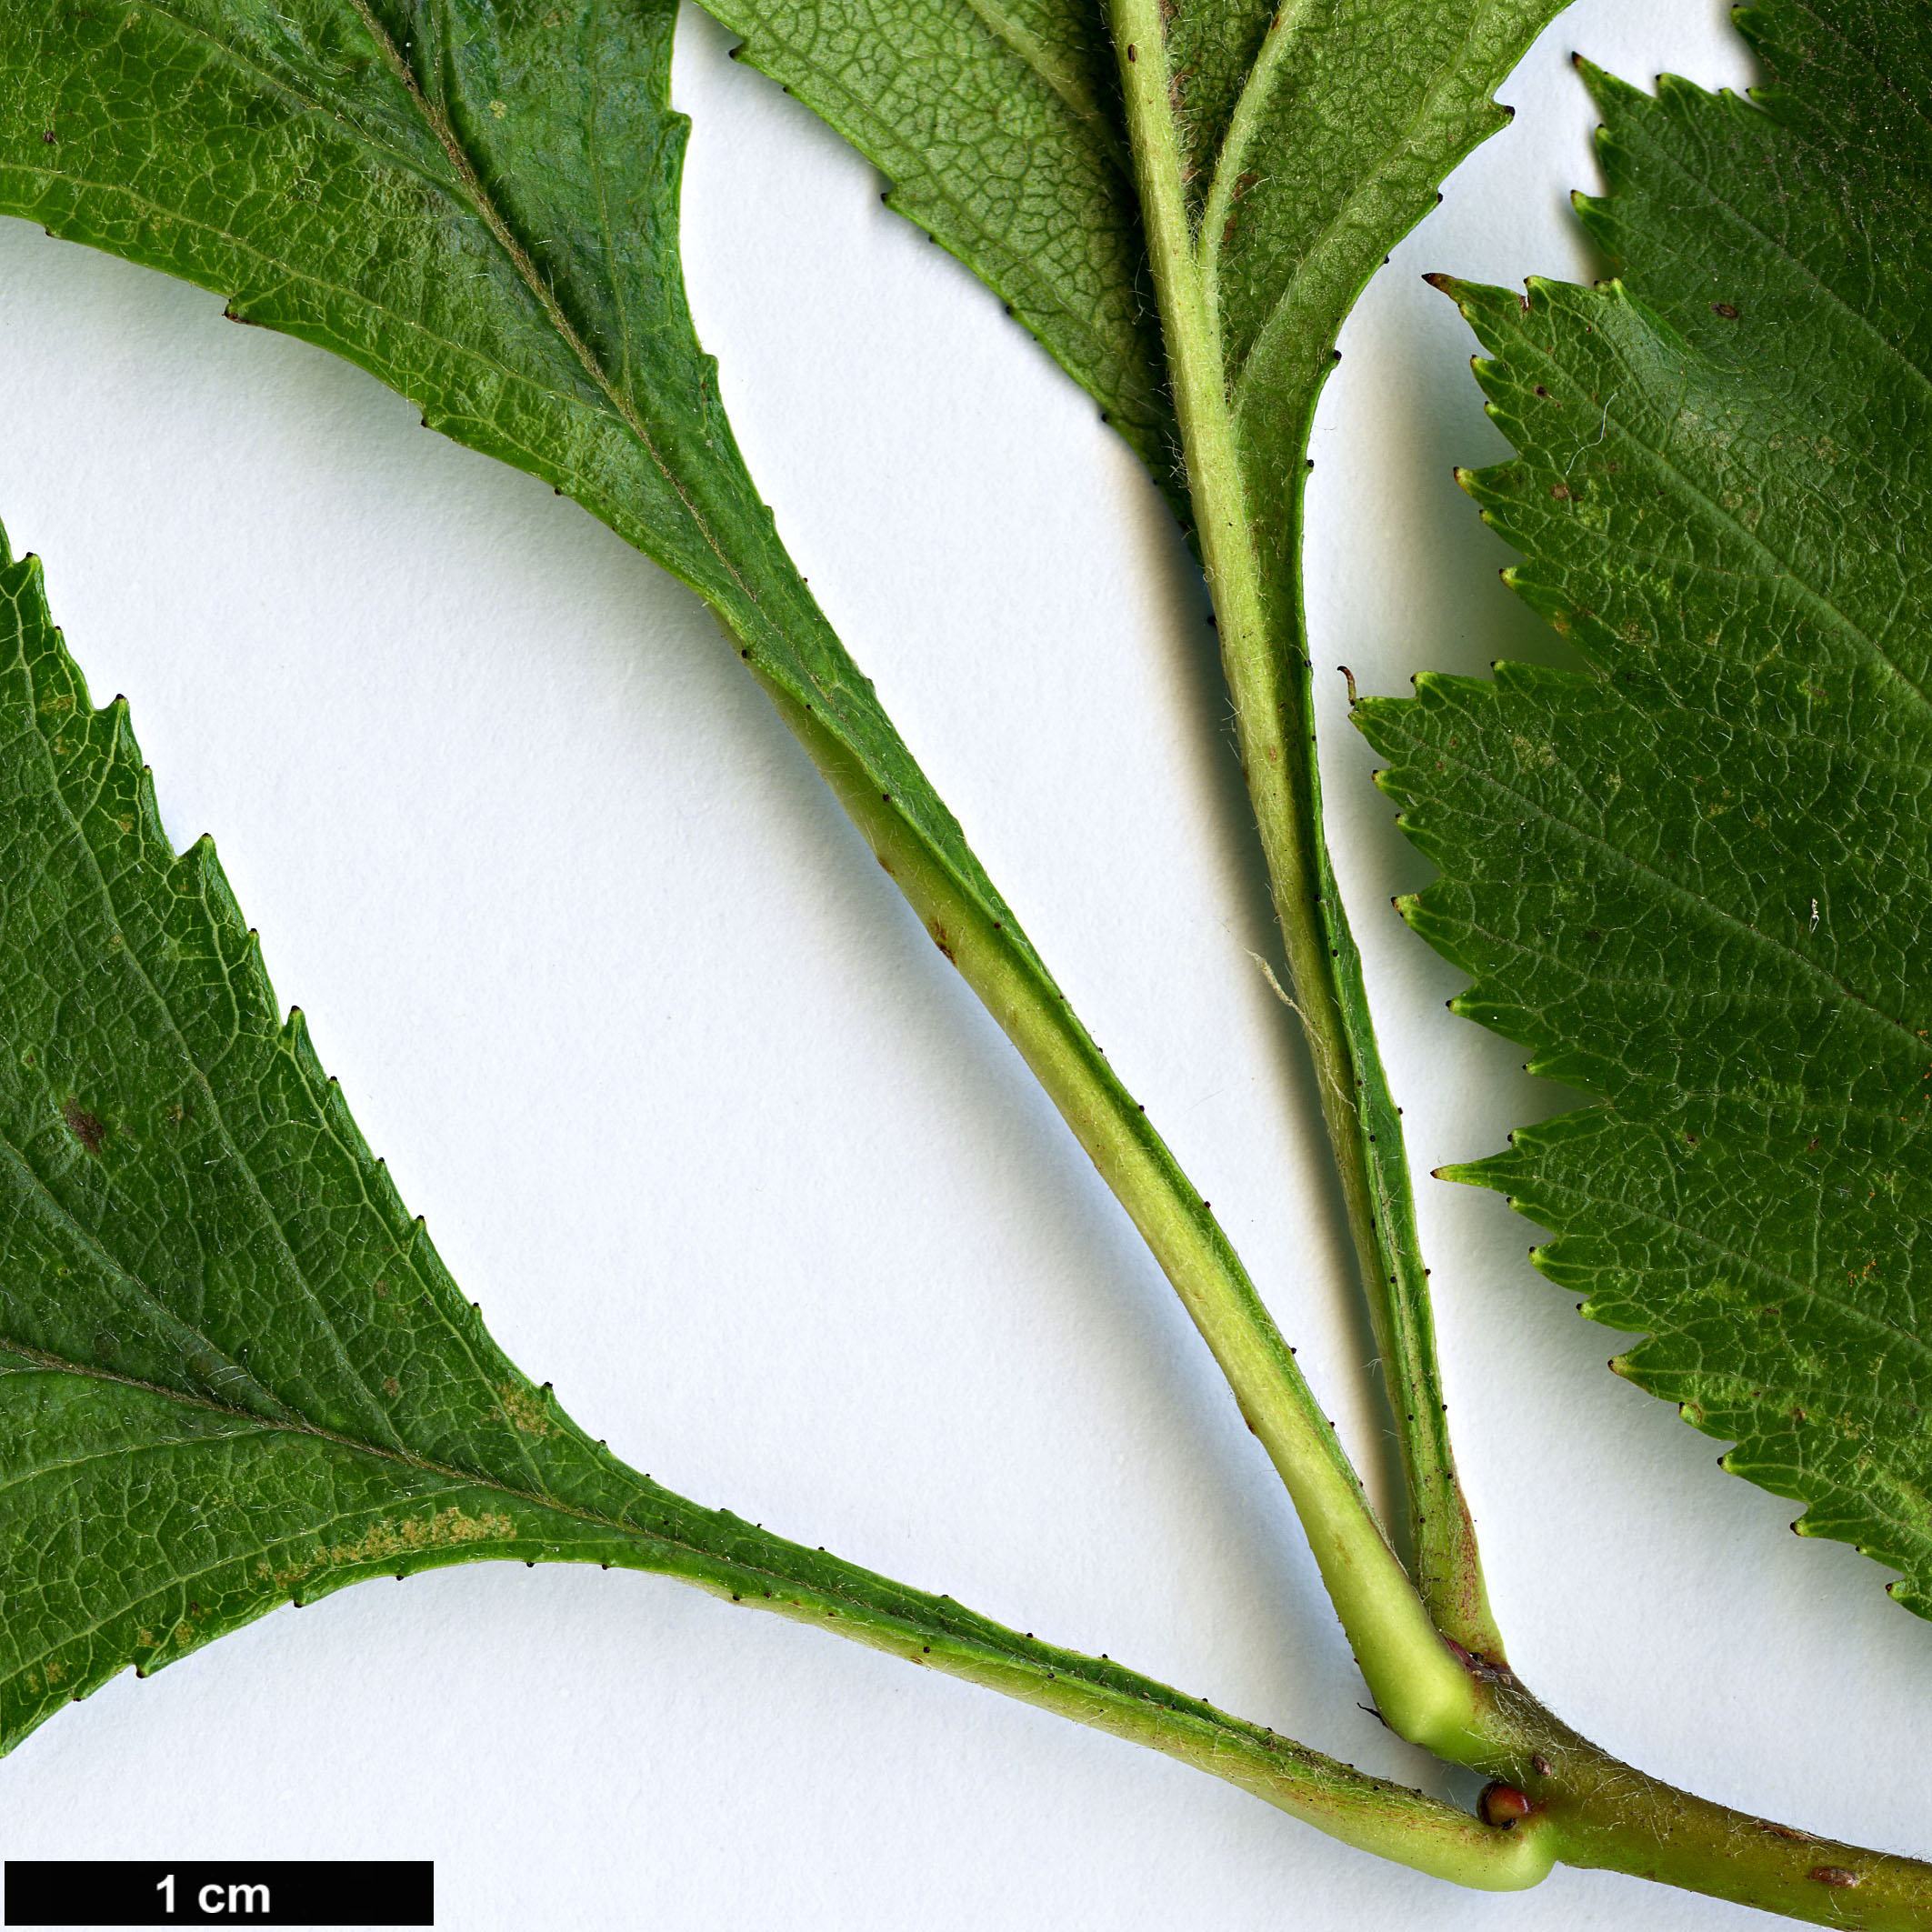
300,1427
897,1603
297,1425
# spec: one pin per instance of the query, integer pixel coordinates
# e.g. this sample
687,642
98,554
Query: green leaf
477,201
478,204
1280,154
234,1373
1696,878
1245,168
1313,137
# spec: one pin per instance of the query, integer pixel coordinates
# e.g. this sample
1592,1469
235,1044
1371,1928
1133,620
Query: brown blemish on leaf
943,941
447,1529
391,1387
521,1410
384,1542
83,1125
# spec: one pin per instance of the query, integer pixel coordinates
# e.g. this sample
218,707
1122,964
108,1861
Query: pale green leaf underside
1696,878
234,1373
1315,132
998,123
478,204
1329,150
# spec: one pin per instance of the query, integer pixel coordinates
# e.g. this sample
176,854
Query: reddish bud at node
1502,1803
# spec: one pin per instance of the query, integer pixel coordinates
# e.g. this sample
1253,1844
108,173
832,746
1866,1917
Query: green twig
1600,1812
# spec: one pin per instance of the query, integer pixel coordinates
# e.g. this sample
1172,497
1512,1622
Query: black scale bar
226,1892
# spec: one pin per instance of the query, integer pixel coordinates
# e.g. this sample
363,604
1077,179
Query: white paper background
725,1150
